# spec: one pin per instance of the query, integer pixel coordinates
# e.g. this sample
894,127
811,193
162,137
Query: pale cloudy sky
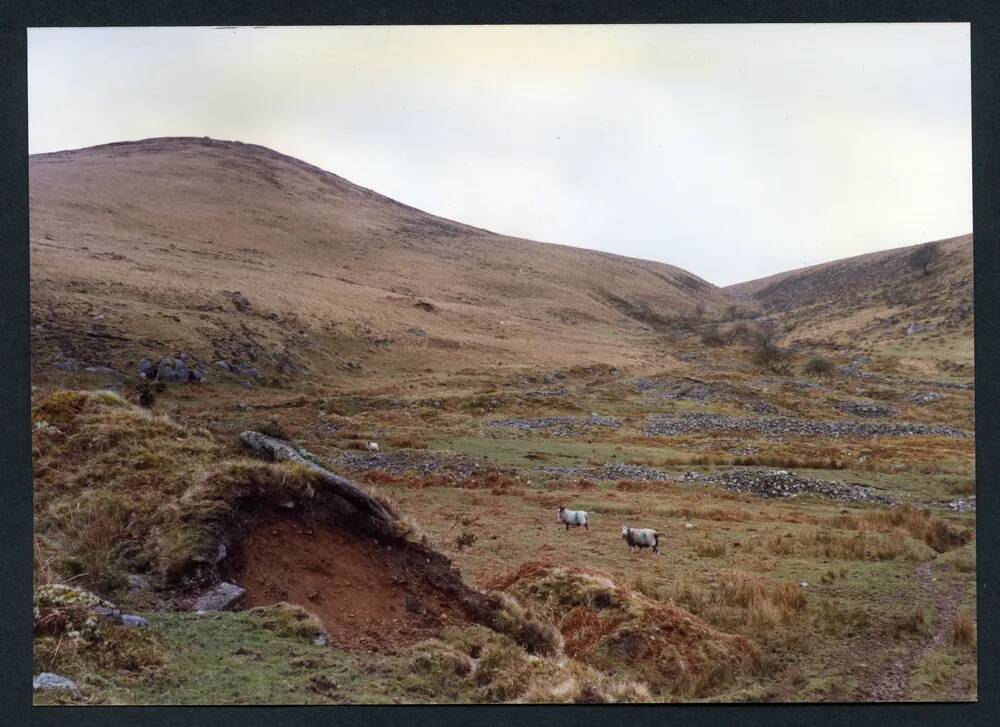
734,151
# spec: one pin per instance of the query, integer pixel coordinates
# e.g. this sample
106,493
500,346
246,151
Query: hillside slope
879,300
137,248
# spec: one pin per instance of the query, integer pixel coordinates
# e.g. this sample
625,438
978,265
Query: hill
139,248
883,301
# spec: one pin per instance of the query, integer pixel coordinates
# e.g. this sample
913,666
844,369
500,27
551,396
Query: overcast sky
733,151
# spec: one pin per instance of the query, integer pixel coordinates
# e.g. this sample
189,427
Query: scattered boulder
927,397
133,621
963,504
780,483
67,363
172,370
867,409
961,313
100,370
239,301
915,328
426,306
146,369
48,680
668,425
218,598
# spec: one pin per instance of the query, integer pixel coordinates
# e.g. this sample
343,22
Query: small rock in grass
218,598
48,680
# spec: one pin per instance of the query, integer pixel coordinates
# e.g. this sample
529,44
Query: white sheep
373,447
638,538
576,518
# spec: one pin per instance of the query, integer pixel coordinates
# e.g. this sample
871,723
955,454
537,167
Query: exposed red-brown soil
364,593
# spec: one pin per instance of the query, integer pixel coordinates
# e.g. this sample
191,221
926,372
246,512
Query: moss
287,620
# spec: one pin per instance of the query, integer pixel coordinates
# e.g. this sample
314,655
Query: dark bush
272,428
713,337
146,391
820,366
768,354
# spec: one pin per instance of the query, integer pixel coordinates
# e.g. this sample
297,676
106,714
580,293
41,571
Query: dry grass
918,524
616,629
829,545
709,549
963,631
505,672
914,621
98,530
739,598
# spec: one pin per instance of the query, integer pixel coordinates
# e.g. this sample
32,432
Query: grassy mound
477,664
616,629
119,489
73,639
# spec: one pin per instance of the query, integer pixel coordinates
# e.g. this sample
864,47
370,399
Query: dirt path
893,684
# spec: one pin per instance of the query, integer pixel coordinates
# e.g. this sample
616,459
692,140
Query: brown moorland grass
612,627
963,630
919,524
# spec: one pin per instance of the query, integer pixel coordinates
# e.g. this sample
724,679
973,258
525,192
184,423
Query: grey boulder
146,369
48,680
218,598
172,370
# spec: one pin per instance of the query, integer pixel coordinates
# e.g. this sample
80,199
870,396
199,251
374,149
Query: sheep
638,538
373,447
576,518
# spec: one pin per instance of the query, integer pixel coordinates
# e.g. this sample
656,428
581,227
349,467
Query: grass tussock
288,620
963,631
615,629
913,622
830,545
102,538
740,599
707,548
494,668
916,523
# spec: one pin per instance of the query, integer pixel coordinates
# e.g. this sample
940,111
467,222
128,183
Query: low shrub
767,354
713,337
820,366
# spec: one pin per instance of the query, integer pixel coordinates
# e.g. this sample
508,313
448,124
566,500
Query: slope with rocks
886,301
234,252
